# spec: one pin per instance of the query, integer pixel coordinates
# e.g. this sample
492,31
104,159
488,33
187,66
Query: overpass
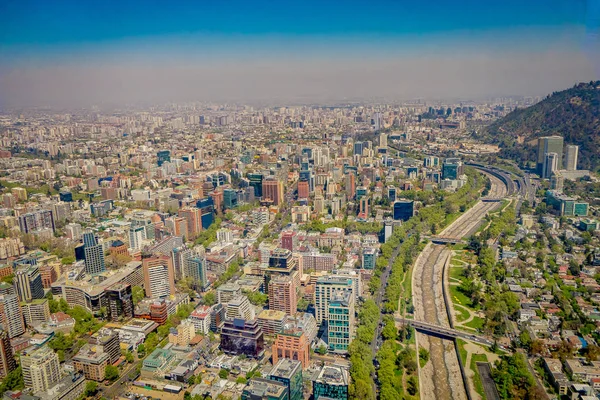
446,240
498,173
444,332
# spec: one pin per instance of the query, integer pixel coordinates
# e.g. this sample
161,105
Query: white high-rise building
550,165
571,156
159,281
40,368
136,237
383,140
73,231
325,287
11,315
225,235
240,307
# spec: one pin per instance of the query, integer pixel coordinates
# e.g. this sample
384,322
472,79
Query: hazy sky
73,53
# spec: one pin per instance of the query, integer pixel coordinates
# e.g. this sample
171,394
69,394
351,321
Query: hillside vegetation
573,113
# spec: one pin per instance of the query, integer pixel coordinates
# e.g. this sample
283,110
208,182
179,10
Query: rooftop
333,375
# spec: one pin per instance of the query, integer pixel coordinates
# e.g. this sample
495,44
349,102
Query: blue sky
39,38
43,24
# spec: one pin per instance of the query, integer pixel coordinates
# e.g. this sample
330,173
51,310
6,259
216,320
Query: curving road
441,378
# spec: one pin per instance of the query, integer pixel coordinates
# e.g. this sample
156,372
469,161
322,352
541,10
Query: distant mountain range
573,113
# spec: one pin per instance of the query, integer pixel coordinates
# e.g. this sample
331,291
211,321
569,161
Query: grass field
459,297
461,314
456,273
475,323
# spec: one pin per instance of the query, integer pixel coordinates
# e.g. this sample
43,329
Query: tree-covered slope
573,113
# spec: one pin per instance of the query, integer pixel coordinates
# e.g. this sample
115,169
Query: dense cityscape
222,251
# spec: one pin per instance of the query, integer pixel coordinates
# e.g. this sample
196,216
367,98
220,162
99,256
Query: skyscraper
40,368
325,287
7,359
404,210
94,254
163,156
549,144
289,372
358,148
29,283
340,323
273,190
196,269
383,140
159,277
303,189
571,156
550,165
452,168
120,301
11,316
282,295
35,221
350,185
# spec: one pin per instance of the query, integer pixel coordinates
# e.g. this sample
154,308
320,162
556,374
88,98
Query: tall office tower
256,181
324,289
289,240
358,148
340,323
571,155
163,156
273,190
319,204
391,193
230,200
36,312
452,168
29,283
177,226
120,301
403,210
350,185
377,121
303,189
141,220
11,316
40,368
289,372
94,254
364,208
193,216
159,276
240,307
550,165
73,231
7,359
549,144
35,221
331,383
282,295
137,235
196,270
243,337
383,140
180,257
267,389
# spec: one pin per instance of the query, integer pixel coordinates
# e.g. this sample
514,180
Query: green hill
573,113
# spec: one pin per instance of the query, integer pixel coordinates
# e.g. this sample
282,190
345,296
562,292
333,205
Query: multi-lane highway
441,377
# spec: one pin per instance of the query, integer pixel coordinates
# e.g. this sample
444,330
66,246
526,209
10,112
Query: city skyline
72,54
